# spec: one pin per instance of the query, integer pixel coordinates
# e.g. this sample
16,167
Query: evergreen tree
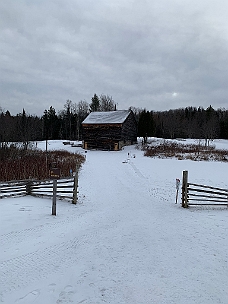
50,124
24,129
95,104
146,125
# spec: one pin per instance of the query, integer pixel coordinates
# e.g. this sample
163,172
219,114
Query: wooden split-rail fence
65,188
195,194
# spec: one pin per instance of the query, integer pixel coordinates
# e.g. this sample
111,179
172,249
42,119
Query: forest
189,122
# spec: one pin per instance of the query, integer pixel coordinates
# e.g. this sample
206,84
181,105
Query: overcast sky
153,54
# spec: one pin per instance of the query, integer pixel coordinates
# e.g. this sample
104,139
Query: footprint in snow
51,287
65,296
29,298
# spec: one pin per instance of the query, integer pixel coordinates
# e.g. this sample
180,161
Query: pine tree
145,125
95,104
50,124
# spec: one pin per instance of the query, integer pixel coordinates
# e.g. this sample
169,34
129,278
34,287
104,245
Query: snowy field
126,241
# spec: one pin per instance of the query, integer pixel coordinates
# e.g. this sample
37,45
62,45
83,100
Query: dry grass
193,152
18,164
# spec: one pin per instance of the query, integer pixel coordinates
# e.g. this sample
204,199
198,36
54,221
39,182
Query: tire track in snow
17,237
20,271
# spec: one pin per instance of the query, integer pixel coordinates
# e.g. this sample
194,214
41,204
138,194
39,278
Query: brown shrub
168,149
17,164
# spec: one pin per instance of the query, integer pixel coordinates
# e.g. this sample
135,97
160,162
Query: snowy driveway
125,242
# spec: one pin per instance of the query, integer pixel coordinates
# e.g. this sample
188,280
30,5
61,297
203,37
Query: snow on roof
110,117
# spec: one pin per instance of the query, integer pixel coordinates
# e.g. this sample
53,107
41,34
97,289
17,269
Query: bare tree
107,103
82,110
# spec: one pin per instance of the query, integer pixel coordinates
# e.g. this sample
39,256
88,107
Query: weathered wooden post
54,196
185,190
54,174
75,189
28,187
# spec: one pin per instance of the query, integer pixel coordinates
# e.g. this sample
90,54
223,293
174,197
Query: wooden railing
195,194
13,188
66,188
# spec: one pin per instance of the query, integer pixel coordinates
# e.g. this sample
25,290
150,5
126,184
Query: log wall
110,136
129,129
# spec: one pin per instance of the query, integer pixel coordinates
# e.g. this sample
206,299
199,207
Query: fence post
54,196
75,190
185,190
28,187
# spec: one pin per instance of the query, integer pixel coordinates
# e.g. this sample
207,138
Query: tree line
189,122
66,124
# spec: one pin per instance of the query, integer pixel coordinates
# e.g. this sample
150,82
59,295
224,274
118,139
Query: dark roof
111,117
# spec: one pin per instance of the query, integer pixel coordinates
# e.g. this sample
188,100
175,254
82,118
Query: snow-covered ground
126,241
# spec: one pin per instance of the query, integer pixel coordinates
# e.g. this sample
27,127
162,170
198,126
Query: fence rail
195,194
13,188
66,188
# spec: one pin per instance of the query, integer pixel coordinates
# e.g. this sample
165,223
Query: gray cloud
151,54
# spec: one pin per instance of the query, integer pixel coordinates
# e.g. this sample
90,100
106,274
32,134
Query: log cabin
109,130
